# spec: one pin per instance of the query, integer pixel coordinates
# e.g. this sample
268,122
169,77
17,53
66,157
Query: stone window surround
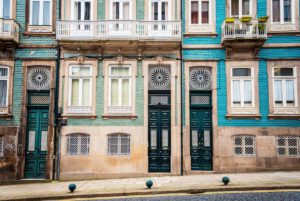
285,27
281,64
201,28
65,77
40,30
10,64
113,62
254,110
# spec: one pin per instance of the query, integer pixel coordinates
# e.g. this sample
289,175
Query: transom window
78,144
244,145
81,9
288,146
40,12
4,78
5,9
284,87
282,11
119,89
200,11
242,87
1,146
118,144
80,89
239,8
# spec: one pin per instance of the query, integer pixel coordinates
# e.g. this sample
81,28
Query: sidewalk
136,186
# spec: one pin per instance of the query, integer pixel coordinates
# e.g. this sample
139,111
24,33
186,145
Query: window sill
7,116
284,116
119,116
243,116
79,116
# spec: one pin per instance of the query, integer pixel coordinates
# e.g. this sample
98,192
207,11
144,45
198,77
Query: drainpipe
181,94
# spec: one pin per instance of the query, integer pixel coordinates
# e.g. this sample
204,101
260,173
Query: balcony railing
9,30
118,30
244,30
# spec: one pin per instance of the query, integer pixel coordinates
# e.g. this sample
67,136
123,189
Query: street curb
156,192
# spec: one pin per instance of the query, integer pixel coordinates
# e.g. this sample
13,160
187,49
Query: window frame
41,12
287,146
7,78
242,79
283,84
281,11
169,17
119,78
82,1
241,9
119,137
111,11
200,13
1,9
79,151
244,146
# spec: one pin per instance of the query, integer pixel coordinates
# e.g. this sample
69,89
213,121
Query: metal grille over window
1,146
200,79
288,146
200,100
159,100
40,100
159,77
244,146
118,144
38,78
78,144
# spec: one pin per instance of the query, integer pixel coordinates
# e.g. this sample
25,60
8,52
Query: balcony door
160,11
120,15
81,13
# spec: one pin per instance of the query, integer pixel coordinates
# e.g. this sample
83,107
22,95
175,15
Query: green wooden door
201,135
36,143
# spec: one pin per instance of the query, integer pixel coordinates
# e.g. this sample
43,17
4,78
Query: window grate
39,100
159,100
118,144
78,144
288,146
244,145
200,100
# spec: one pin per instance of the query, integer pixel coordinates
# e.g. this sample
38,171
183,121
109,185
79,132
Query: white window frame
242,79
159,9
121,10
7,80
283,84
79,136
282,13
199,12
119,137
287,146
1,9
80,78
240,9
127,109
244,146
41,13
2,146
82,2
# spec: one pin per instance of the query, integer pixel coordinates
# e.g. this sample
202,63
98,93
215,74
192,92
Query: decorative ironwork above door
159,77
38,78
200,79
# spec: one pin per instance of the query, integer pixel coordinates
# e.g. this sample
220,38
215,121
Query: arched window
244,145
78,144
288,146
118,144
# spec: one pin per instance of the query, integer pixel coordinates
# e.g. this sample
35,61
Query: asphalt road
245,196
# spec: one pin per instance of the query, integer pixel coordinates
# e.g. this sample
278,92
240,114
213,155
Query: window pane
114,92
75,92
154,8
249,141
236,91
125,92
3,93
205,10
290,96
234,7
87,15
86,92
248,92
80,71
35,12
194,14
116,10
46,13
119,71
278,91
246,7
6,9
163,10
3,72
241,72
276,10
287,10
77,10
125,10
283,72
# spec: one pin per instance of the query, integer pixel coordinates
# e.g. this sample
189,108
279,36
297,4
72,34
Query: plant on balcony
246,19
261,27
229,20
263,19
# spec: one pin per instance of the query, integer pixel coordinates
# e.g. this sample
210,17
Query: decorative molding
38,78
200,78
159,77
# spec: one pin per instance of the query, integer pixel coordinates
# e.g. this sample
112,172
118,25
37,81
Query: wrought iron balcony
238,30
70,30
9,30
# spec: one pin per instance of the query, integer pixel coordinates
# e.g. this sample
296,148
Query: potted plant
263,19
229,20
246,19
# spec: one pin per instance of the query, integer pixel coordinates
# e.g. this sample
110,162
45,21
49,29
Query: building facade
27,88
241,85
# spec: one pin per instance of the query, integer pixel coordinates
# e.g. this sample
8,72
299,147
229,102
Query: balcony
9,30
250,32
118,30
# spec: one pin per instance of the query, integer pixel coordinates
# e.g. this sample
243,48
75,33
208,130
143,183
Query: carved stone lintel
140,50
80,59
120,59
159,59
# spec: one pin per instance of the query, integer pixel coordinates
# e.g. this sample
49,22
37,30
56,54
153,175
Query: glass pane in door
153,136
207,138
31,141
195,138
165,138
44,141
